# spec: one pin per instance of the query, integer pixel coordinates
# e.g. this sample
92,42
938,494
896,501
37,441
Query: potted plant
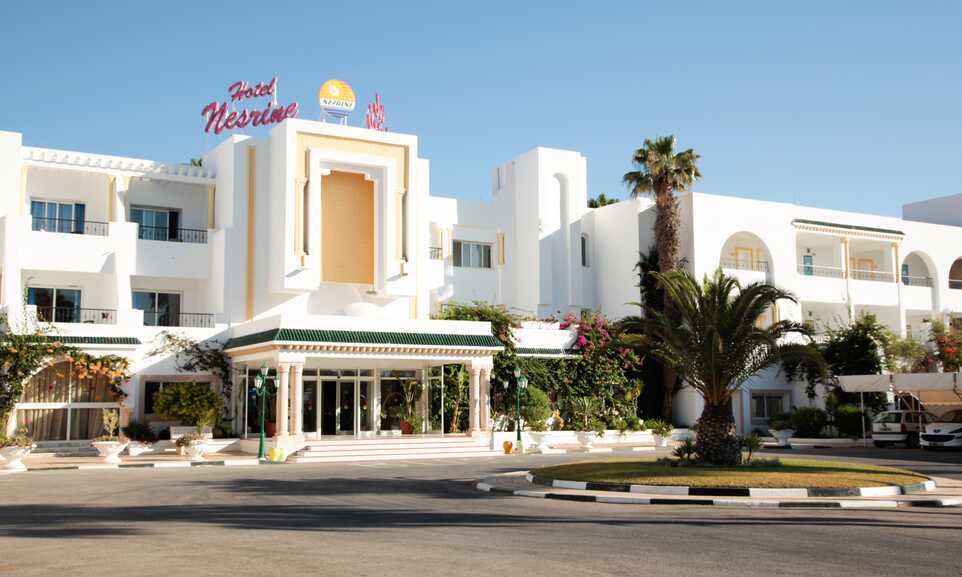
141,438
110,446
661,430
780,426
14,449
410,421
193,443
190,403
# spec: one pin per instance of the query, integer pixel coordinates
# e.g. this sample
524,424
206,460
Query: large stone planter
587,439
110,450
661,442
197,450
137,448
782,437
540,439
13,457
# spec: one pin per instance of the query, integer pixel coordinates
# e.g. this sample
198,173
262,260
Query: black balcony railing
916,280
69,226
436,253
49,314
193,235
188,320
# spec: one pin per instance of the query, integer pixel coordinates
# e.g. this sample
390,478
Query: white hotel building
320,251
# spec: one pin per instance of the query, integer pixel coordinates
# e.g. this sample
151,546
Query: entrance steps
393,448
65,449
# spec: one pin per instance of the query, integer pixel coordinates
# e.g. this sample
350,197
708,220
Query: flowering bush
948,348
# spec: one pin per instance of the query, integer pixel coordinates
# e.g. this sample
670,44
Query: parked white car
892,427
945,431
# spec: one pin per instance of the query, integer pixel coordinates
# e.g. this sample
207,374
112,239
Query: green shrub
629,423
848,421
685,451
780,422
192,404
751,443
536,409
137,431
809,421
659,427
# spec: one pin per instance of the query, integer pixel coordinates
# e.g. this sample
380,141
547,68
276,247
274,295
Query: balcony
823,271
184,320
923,281
732,264
68,226
436,253
872,275
51,314
162,233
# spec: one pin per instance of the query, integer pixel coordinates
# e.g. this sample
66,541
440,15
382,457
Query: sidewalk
947,493
51,462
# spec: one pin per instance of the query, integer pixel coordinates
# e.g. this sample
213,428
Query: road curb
761,492
629,499
154,465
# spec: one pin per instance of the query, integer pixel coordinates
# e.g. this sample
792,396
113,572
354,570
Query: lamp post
261,391
522,386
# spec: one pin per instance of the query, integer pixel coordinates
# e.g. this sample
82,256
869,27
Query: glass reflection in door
346,407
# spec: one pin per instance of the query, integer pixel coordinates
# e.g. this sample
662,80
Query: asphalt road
425,518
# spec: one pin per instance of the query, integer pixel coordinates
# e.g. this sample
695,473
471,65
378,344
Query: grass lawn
808,473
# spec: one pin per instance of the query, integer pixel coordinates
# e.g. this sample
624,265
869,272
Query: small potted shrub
590,427
195,444
14,449
141,438
535,413
661,430
110,446
780,426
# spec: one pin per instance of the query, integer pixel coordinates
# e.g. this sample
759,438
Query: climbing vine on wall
192,356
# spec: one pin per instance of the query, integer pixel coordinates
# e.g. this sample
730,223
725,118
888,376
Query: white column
297,394
474,409
283,398
486,398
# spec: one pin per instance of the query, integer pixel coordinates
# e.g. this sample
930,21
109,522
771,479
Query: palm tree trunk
716,441
666,240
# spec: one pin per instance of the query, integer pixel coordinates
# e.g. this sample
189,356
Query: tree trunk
716,441
666,240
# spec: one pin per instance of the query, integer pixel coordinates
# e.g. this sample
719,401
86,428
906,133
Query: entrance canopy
900,383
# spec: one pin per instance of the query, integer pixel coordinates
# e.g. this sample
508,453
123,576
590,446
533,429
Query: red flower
582,341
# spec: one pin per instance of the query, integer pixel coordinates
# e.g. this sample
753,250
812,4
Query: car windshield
951,417
889,418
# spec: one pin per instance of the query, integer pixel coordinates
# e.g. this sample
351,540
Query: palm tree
660,172
714,341
601,200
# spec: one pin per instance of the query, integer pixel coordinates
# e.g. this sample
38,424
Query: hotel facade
319,251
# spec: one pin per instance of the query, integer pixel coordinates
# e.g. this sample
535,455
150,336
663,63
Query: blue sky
849,105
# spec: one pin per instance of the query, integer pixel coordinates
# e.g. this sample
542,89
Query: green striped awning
363,338
83,340
848,226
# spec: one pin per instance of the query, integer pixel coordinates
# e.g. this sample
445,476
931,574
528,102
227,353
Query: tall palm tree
660,172
714,341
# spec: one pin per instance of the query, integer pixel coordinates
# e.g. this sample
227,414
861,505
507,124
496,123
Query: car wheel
881,444
912,441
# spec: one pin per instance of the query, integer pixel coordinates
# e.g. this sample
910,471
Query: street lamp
261,391
522,386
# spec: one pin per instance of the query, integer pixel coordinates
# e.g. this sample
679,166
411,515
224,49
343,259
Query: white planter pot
136,448
782,437
587,439
540,441
661,442
197,451
13,457
110,450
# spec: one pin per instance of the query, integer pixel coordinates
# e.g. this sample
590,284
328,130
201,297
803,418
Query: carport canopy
932,389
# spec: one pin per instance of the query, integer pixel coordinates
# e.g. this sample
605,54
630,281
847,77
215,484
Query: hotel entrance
336,402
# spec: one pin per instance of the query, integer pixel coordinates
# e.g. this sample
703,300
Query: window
156,223
160,309
767,405
472,254
151,388
55,305
584,250
57,216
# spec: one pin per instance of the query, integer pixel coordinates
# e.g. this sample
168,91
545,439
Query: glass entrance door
345,409
329,404
310,407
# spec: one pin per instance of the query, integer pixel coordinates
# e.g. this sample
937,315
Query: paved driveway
425,518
